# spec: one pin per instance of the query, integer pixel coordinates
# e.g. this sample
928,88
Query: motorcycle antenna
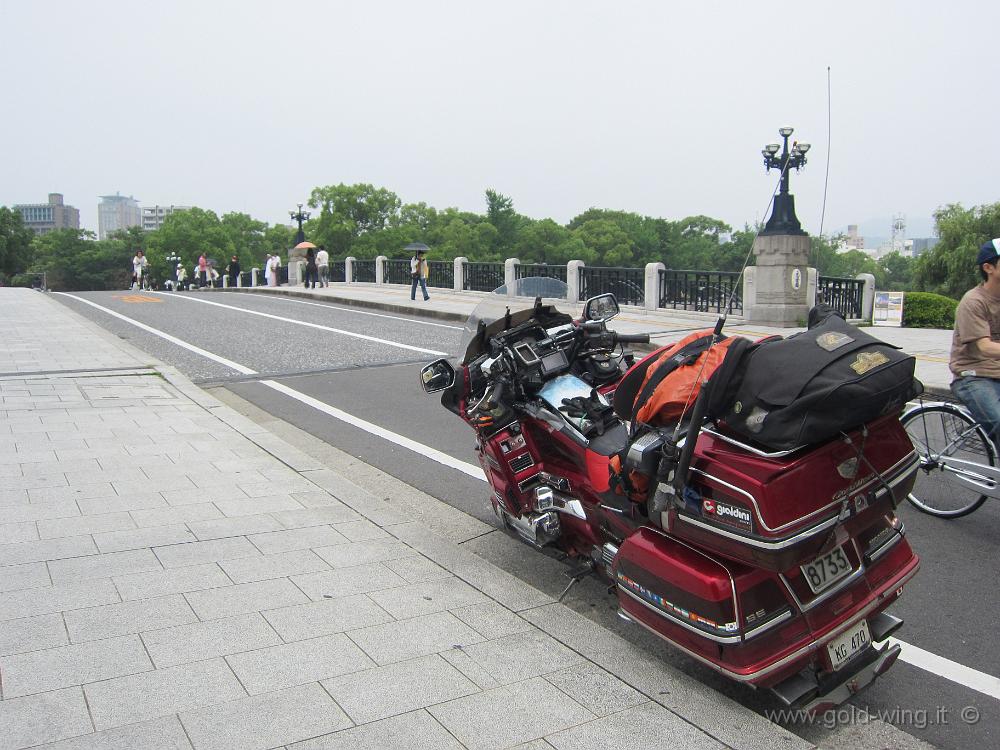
723,316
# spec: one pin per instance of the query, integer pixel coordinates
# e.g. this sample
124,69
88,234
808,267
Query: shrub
928,310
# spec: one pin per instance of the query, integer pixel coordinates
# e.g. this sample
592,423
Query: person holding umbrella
233,270
418,270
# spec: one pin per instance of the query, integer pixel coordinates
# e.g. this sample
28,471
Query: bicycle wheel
945,430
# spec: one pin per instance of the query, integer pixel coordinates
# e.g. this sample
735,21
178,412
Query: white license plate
847,644
825,571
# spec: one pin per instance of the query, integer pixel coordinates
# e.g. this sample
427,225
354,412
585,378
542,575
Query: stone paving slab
264,600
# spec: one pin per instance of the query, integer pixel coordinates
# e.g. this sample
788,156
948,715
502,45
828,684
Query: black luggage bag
810,387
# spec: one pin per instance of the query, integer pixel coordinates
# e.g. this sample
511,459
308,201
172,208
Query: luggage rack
749,448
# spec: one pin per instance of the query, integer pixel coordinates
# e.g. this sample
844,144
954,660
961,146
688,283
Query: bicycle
958,460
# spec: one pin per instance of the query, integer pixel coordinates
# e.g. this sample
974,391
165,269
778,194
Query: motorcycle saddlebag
814,385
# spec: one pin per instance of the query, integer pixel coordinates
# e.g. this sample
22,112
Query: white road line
172,339
306,323
950,670
971,678
401,440
426,451
355,311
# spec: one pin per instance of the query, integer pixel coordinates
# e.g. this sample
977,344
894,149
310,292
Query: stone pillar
812,287
510,275
380,269
295,272
225,281
651,285
254,275
867,296
780,281
749,290
459,284
349,269
573,279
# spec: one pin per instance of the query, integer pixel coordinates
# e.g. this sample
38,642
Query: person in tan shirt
975,345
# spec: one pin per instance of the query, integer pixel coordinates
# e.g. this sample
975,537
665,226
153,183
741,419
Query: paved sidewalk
174,576
931,347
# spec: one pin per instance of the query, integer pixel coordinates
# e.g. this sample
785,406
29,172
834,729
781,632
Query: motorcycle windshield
492,311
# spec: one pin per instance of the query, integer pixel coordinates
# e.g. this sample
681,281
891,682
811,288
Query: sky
655,107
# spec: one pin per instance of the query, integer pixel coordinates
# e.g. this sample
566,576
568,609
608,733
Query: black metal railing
282,275
441,274
482,277
627,284
396,272
246,277
529,270
701,291
364,271
843,295
338,270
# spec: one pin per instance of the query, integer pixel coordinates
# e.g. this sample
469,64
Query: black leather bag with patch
812,386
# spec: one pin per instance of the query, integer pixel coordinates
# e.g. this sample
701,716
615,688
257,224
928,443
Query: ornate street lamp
299,216
783,219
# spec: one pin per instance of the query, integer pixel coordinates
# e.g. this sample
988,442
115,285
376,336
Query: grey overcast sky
656,107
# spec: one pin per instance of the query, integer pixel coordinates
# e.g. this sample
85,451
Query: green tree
15,244
897,272
189,234
347,212
949,268
73,260
608,242
500,213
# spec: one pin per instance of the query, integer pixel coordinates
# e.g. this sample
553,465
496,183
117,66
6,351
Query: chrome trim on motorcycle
898,472
750,448
537,530
608,554
887,545
811,646
678,621
773,622
762,543
547,498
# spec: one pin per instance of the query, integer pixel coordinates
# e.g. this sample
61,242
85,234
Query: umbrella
303,245
415,247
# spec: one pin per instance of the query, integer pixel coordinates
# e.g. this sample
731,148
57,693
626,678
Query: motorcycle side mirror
601,308
437,376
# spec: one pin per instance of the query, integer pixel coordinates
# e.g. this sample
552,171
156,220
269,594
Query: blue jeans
423,288
982,397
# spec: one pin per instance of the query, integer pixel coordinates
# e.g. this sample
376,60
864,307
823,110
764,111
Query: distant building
153,216
923,244
44,217
853,240
116,212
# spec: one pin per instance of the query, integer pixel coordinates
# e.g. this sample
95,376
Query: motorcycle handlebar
632,338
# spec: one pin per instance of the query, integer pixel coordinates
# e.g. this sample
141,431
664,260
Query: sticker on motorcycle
730,515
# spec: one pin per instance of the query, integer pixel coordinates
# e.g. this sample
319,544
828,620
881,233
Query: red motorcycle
772,567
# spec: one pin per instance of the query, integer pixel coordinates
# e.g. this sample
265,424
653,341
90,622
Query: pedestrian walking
975,344
181,277
267,270
275,270
418,274
202,270
233,271
323,263
312,271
